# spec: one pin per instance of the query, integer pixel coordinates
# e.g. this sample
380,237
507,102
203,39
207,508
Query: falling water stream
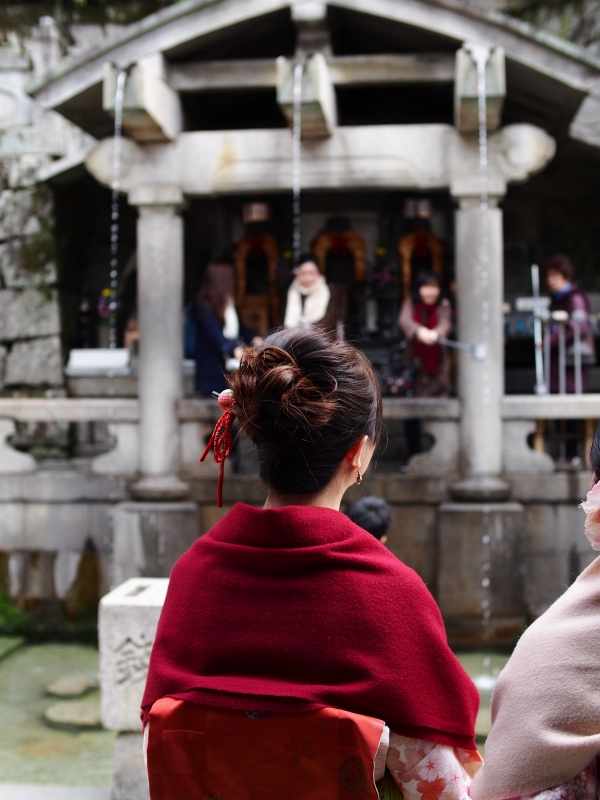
114,208
296,160
481,60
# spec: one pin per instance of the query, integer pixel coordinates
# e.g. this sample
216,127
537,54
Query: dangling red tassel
221,438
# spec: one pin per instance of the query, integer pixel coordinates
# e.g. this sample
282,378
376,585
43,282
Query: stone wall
31,355
31,140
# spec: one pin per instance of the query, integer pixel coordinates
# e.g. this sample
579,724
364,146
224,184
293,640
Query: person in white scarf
308,296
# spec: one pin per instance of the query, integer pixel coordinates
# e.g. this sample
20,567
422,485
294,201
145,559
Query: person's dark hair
308,258
371,513
218,286
594,456
560,263
425,278
304,398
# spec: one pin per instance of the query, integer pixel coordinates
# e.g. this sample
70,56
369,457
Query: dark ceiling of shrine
353,33
267,36
231,110
539,99
395,104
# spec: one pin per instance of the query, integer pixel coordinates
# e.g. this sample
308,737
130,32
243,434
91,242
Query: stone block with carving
127,626
27,314
35,363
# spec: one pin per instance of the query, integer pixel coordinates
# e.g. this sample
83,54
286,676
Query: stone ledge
60,409
196,409
554,406
64,486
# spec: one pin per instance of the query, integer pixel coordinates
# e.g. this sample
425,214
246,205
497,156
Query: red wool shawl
297,608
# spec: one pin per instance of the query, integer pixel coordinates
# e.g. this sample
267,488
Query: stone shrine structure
191,146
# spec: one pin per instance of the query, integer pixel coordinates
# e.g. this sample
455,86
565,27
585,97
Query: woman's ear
355,452
593,480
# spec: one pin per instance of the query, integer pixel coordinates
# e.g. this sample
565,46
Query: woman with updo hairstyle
291,612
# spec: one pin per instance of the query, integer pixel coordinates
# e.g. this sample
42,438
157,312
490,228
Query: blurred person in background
220,333
565,295
425,318
308,296
372,514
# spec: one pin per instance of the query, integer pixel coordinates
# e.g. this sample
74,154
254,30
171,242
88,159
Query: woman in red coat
294,608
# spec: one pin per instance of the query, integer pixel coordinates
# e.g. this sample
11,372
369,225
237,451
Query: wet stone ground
31,750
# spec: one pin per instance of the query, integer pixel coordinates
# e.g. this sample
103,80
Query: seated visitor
219,331
288,628
372,514
544,743
308,296
424,318
567,296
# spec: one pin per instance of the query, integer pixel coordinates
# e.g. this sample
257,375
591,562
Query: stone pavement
33,791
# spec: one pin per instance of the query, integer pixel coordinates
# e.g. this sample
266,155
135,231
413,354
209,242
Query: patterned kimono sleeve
429,771
582,787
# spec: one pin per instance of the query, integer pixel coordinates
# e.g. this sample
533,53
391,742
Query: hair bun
304,398
271,386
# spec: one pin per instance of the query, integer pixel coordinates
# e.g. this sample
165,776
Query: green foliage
13,619
22,15
575,20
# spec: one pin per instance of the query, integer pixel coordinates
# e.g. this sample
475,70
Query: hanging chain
297,160
114,208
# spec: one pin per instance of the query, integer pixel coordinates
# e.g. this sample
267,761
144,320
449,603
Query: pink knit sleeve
582,787
429,771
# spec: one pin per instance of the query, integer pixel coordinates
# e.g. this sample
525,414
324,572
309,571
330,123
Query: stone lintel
359,70
156,194
429,156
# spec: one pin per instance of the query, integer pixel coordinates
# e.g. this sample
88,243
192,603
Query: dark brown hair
217,287
304,398
560,263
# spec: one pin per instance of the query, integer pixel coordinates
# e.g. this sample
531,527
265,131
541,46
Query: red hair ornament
221,438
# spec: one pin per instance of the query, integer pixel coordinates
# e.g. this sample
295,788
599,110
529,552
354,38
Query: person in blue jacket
220,334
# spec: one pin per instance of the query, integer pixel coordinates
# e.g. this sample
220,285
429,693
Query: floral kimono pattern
429,771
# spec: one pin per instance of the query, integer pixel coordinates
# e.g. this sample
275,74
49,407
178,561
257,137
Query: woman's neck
330,497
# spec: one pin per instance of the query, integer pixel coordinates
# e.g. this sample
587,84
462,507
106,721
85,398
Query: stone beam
585,126
151,108
466,87
318,108
423,157
202,76
381,69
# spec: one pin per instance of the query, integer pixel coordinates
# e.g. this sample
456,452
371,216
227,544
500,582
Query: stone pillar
479,276
160,302
480,587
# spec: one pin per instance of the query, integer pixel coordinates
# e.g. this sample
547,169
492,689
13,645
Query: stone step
34,791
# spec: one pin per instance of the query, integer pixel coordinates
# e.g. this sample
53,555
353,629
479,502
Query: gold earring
358,477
